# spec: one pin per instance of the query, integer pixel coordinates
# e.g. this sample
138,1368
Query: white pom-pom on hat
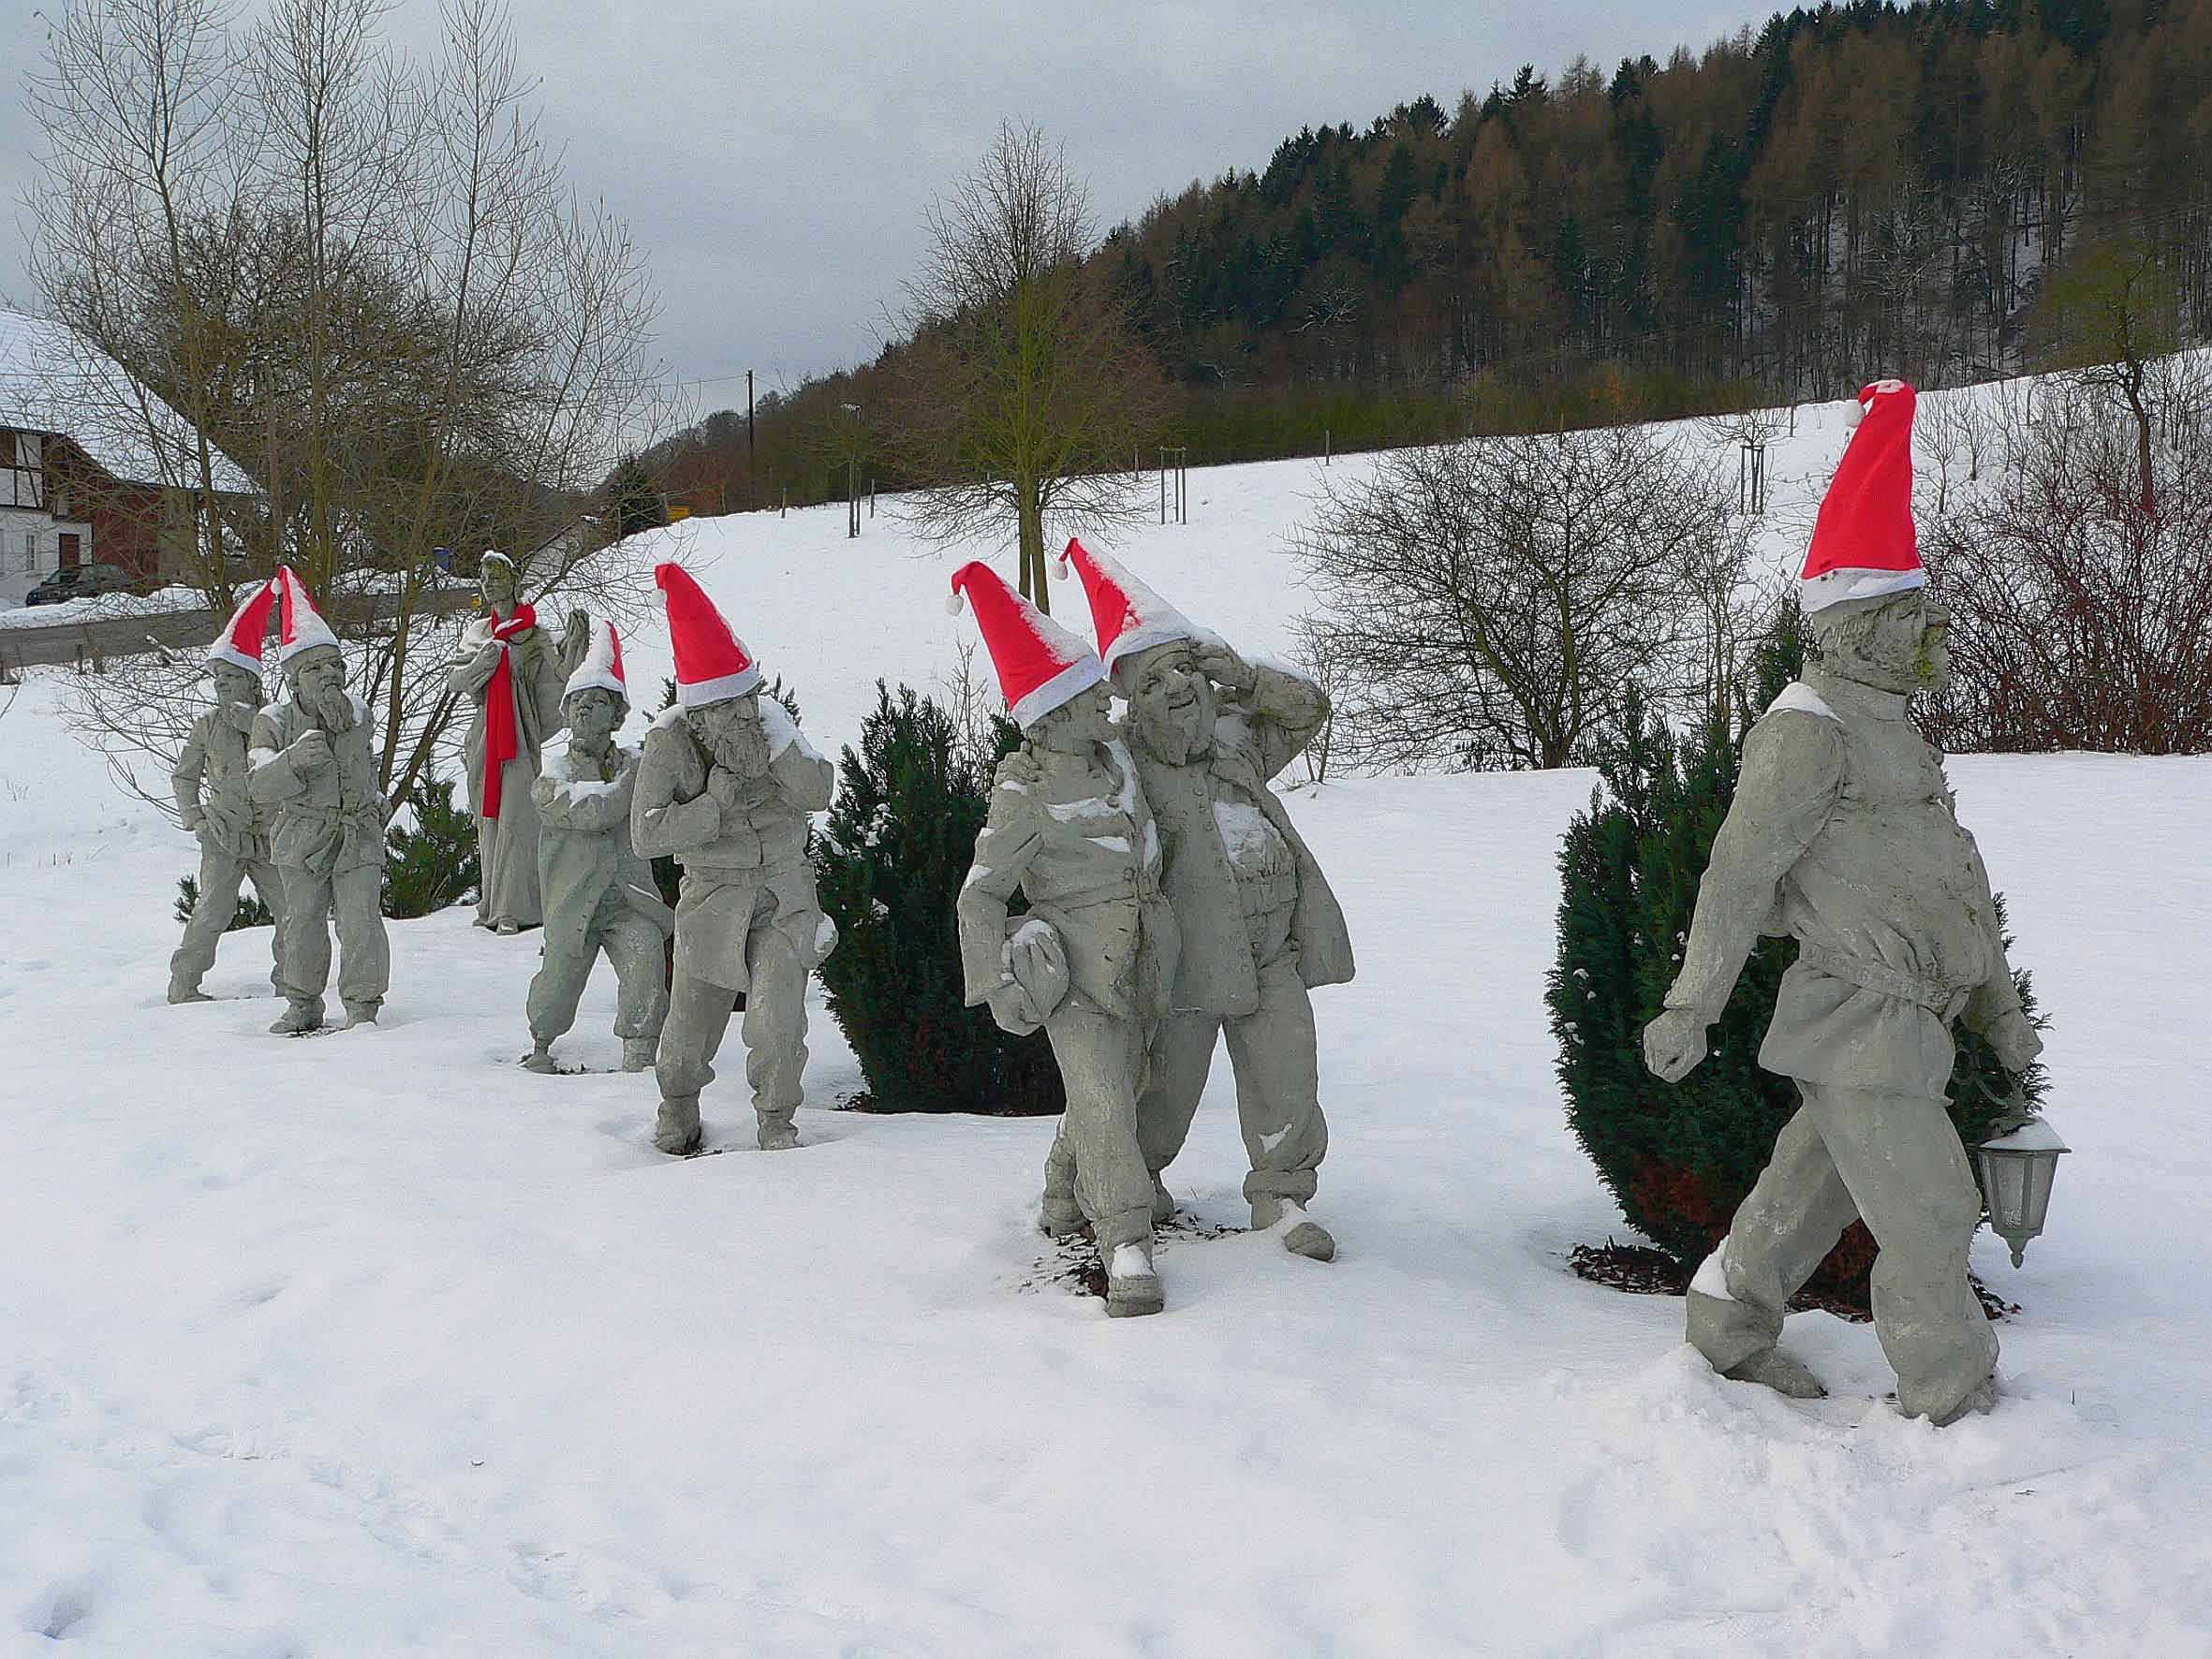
954,603
659,598
1852,416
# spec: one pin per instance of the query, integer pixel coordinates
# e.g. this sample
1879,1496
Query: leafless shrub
2082,593
1489,603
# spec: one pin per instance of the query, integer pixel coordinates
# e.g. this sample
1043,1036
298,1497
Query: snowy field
377,1344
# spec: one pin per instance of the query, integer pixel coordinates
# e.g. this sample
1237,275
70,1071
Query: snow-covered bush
1679,1157
889,865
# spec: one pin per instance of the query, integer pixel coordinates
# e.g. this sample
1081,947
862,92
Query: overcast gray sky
775,159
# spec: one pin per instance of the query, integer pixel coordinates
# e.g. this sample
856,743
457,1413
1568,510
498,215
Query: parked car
83,581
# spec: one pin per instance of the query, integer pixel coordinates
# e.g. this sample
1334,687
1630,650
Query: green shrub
432,863
251,912
1680,1157
890,865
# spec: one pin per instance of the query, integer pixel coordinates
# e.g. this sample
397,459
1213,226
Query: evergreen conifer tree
889,866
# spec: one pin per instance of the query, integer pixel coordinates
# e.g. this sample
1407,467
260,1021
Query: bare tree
2083,616
364,281
1489,603
1022,390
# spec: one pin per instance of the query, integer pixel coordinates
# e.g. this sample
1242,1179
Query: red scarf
503,738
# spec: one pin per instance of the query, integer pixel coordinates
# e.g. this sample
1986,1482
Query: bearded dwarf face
318,686
1896,643
1172,703
733,735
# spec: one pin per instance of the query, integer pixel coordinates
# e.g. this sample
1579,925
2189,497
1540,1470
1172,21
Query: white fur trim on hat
720,690
1068,683
1817,593
1145,638
224,652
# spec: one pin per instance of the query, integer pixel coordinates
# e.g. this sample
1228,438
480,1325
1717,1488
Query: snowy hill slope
376,1343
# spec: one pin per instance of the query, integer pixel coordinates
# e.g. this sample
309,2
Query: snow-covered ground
376,1345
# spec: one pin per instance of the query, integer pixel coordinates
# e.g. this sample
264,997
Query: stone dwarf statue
312,764
216,804
1093,959
726,785
1843,833
1260,926
513,672
600,895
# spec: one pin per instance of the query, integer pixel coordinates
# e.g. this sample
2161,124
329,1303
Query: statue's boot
1061,1216
776,1134
1776,1371
540,1060
298,1018
676,1130
360,1014
1980,1399
1302,1235
1132,1287
180,992
1163,1203
638,1053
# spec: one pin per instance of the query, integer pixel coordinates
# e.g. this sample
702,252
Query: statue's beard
333,713
1179,737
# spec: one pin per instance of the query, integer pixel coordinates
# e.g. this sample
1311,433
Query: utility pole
752,477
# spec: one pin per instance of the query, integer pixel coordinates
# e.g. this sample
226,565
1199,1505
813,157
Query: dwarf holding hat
1843,834
1260,926
216,803
726,786
1093,959
312,762
600,895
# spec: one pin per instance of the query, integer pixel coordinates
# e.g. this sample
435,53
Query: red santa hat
302,628
1864,543
712,663
1128,615
240,642
602,664
1040,665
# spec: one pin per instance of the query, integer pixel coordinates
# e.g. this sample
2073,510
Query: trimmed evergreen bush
432,863
1680,1157
251,912
890,865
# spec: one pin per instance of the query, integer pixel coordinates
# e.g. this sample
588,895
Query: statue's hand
310,751
2016,1041
1010,1008
1223,667
1674,1043
1017,767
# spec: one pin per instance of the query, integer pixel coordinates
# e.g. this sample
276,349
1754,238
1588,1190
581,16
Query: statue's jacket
584,851
1844,835
732,857
212,778
1255,736
329,820
1090,867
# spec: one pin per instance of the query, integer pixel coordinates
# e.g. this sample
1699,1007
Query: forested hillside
1949,190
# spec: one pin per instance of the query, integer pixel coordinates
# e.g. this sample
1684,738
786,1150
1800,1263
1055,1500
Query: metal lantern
2017,1168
